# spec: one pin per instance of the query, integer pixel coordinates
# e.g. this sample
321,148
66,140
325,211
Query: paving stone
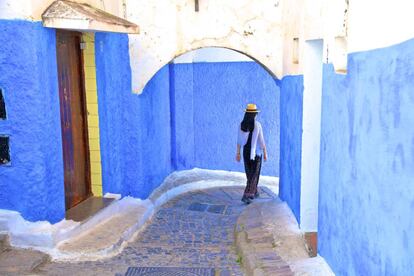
217,209
20,261
200,207
4,242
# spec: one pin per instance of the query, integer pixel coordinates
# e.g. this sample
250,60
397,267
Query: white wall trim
312,106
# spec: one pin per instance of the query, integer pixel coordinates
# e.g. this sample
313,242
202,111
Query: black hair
248,122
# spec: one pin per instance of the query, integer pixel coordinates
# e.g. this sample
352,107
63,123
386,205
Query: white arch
171,28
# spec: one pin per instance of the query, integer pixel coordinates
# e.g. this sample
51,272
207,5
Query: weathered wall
187,117
291,109
135,132
263,29
171,28
33,182
367,158
221,93
182,115
155,129
33,9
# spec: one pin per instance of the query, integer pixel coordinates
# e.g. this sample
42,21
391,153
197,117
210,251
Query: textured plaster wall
171,28
155,129
207,107
33,9
186,117
33,182
221,93
117,107
366,201
134,130
182,115
291,109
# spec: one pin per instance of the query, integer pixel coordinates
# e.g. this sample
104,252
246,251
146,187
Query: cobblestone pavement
193,230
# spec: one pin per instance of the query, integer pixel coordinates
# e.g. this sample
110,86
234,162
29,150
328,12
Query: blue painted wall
182,115
134,129
366,203
291,110
155,131
221,93
33,183
186,117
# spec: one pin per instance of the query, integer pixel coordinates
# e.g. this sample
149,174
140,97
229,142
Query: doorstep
88,208
111,229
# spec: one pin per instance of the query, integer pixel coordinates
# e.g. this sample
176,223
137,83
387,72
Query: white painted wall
33,9
212,54
312,101
10,9
262,29
172,28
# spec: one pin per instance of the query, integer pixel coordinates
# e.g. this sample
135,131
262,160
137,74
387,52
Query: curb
255,245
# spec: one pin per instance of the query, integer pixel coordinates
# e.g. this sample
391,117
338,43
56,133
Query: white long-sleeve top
257,135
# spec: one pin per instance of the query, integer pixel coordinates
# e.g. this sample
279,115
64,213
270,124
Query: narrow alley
129,129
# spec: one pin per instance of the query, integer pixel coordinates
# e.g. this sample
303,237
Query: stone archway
250,27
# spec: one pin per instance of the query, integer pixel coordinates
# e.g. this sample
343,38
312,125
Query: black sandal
246,200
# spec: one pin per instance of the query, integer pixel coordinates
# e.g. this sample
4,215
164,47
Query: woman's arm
238,153
262,144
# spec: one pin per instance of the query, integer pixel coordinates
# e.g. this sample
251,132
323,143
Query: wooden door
73,118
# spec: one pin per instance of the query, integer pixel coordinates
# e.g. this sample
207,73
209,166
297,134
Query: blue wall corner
366,201
291,112
33,183
135,129
120,118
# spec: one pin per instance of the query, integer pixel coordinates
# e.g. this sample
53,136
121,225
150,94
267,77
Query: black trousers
252,168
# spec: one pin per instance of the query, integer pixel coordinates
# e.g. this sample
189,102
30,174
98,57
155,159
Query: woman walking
250,134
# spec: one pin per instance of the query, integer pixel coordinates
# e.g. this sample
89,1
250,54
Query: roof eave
88,25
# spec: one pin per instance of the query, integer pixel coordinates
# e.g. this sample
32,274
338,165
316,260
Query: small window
2,106
4,150
295,51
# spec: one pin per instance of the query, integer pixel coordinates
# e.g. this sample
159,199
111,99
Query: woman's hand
238,153
265,156
238,157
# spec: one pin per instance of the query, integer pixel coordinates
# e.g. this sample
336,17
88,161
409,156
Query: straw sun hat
251,108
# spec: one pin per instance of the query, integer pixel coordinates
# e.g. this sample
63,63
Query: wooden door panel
73,118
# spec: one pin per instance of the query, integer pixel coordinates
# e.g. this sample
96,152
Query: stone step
4,242
255,244
104,239
21,261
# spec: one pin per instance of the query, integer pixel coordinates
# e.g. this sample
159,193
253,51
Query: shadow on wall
194,110
367,125
206,103
186,117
